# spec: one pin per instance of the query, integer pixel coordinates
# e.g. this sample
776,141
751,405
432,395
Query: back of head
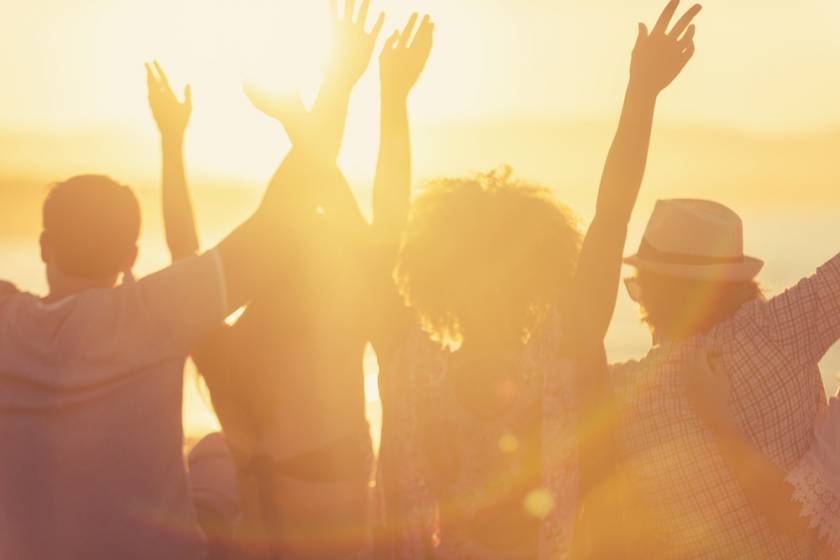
677,308
486,252
91,226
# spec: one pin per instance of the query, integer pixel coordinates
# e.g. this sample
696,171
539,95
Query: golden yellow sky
754,120
759,64
75,82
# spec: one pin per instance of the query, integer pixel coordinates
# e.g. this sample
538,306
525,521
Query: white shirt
816,479
90,417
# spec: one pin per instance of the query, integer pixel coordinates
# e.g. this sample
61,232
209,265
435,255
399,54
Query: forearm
762,481
329,116
599,420
178,215
625,166
392,185
268,239
599,268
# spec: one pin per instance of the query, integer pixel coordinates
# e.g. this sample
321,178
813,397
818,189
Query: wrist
638,89
172,141
340,80
393,95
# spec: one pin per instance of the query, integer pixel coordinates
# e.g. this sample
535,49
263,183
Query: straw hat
695,239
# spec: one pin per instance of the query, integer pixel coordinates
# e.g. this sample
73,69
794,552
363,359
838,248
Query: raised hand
352,45
171,115
660,55
403,59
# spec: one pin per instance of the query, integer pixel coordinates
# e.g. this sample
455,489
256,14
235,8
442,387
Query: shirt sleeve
805,320
159,317
182,303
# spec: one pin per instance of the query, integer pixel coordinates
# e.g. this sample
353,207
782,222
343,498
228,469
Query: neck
62,286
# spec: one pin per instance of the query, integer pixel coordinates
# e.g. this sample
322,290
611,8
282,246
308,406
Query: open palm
403,59
171,115
352,46
659,55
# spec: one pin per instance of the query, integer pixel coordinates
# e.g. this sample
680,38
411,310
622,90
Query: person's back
698,292
90,425
302,344
91,376
90,390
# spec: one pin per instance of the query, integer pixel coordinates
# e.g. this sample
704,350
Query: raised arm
658,58
321,131
172,117
351,51
400,65
269,239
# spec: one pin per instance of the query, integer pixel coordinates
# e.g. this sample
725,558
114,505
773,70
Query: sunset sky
75,70
754,121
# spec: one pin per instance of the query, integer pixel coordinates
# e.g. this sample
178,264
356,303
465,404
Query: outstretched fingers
408,30
349,9
391,42
424,33
685,21
424,39
151,81
363,14
665,18
163,81
377,27
688,38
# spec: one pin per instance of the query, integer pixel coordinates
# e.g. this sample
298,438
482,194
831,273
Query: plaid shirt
771,350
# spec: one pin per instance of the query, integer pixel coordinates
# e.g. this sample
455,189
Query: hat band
650,253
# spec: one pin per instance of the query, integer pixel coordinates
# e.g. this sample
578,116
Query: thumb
188,96
643,33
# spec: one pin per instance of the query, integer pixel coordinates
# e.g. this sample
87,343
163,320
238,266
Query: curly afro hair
486,249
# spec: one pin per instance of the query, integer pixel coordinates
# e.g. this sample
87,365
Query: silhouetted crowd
506,434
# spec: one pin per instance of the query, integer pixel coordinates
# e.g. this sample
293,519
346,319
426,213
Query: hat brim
732,272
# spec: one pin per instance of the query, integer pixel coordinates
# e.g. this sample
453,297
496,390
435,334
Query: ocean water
792,246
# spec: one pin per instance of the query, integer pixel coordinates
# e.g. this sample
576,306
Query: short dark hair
680,308
92,224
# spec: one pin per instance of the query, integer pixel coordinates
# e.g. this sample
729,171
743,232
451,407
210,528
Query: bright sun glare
280,47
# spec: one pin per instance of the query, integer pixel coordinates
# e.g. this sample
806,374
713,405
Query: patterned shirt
771,350
422,415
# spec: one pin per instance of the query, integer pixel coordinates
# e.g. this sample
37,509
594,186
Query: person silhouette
489,393
286,379
698,292
92,373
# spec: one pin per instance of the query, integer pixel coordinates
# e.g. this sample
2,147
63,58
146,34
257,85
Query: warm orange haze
530,84
751,122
